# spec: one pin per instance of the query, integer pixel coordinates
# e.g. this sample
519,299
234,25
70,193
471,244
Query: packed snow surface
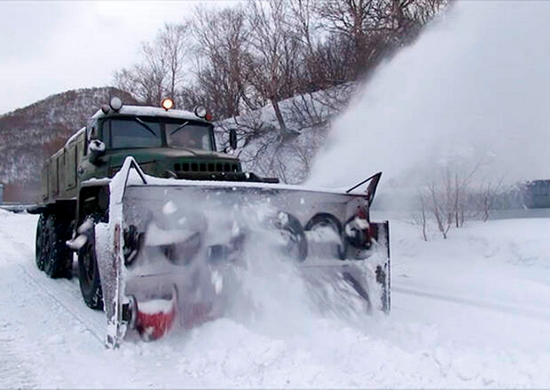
470,311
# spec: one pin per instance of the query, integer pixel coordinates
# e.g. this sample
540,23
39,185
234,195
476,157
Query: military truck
137,194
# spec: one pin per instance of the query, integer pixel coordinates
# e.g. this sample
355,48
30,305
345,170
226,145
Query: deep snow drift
469,311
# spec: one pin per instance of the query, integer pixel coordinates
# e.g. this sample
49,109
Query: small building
537,194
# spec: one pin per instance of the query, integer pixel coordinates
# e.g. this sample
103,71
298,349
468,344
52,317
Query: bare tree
306,27
450,196
490,192
223,66
421,218
275,61
353,22
369,30
481,200
160,72
425,10
172,43
442,204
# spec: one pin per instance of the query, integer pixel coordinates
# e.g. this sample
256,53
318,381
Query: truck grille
206,167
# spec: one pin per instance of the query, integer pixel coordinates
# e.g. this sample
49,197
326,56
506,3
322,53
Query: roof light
116,103
167,104
200,111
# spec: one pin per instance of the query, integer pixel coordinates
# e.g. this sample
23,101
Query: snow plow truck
159,221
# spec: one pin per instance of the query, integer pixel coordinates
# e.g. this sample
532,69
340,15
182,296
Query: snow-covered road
470,311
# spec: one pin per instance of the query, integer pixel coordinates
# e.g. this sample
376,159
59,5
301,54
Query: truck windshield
189,135
135,132
132,133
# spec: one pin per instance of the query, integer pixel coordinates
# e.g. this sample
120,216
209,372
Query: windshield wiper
180,127
141,122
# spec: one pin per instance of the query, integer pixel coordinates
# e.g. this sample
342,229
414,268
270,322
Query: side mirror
91,130
233,139
96,149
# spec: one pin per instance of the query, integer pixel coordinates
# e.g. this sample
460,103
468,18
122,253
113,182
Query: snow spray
473,88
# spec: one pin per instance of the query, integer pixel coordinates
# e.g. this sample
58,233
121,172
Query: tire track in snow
55,335
14,373
89,319
15,370
498,307
63,292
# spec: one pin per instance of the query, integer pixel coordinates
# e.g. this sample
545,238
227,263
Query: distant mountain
31,134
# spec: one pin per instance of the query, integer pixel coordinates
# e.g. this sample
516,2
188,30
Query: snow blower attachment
168,255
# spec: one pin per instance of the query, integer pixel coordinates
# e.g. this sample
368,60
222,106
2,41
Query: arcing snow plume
473,88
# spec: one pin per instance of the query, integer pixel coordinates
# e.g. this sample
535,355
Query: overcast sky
47,47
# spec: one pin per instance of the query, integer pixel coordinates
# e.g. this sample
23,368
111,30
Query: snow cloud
473,88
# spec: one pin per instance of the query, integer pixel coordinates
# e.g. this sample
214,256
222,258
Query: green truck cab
165,143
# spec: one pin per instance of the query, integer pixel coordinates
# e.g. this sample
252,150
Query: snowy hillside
269,151
468,312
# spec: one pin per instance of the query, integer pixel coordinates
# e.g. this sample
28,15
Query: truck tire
39,247
57,256
88,273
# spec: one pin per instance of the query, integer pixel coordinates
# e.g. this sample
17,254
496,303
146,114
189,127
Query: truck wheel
88,273
56,261
39,247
